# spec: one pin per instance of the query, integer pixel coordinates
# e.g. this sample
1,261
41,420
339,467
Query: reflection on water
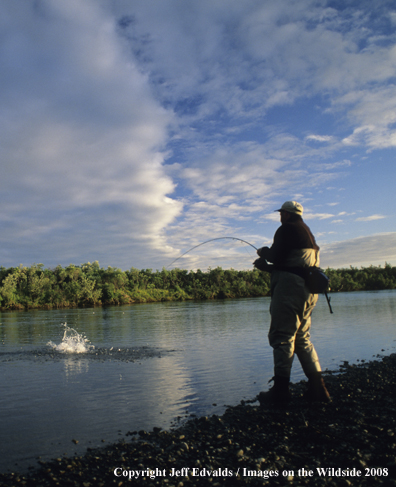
75,367
146,365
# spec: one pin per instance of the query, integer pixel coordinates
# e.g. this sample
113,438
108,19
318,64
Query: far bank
37,287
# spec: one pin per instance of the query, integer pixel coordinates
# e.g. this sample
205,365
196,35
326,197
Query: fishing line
211,240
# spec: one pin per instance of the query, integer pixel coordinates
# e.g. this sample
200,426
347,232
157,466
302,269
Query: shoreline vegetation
35,287
350,441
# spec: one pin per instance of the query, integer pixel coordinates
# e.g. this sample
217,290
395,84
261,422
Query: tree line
90,285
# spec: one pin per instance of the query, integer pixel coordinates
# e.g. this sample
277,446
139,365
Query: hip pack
316,280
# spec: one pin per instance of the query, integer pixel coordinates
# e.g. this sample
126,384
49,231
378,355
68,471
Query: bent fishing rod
248,243
211,240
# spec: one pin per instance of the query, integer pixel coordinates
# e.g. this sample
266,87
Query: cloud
90,161
226,62
361,251
373,113
370,218
316,216
319,138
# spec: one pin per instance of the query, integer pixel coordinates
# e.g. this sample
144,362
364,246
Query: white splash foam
72,342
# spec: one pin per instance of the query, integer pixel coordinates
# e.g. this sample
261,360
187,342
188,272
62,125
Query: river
155,364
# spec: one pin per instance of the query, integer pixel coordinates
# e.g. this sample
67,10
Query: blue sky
132,131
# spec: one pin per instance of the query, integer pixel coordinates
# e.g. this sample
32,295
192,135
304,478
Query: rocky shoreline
350,441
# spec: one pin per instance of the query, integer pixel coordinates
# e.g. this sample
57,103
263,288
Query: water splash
72,342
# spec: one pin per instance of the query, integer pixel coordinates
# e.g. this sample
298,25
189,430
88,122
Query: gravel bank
351,441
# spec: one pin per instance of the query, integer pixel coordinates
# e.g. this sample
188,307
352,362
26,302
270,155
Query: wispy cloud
361,251
370,218
320,216
320,138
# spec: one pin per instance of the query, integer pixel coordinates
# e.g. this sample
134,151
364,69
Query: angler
294,249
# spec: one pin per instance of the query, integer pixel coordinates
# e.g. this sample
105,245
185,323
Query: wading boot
317,391
279,393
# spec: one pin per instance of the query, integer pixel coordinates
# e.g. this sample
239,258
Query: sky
134,130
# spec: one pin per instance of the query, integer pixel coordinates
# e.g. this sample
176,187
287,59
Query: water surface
156,364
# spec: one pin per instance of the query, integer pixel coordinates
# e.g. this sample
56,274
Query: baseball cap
292,207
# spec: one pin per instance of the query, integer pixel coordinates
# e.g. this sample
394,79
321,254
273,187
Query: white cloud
317,216
373,112
245,58
361,251
370,218
92,151
320,138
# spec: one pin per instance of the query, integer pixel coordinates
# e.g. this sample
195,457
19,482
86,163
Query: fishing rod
211,240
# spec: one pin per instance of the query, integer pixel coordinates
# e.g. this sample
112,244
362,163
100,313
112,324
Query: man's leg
308,357
304,349
287,297
287,311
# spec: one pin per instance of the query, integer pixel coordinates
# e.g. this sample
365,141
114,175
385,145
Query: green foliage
90,285
364,279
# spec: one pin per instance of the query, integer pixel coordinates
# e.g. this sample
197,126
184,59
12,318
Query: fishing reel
262,265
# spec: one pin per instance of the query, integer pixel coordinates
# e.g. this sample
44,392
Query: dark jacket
294,245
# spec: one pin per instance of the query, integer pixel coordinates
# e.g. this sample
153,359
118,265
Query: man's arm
278,250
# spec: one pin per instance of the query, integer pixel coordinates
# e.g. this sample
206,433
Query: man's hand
262,251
